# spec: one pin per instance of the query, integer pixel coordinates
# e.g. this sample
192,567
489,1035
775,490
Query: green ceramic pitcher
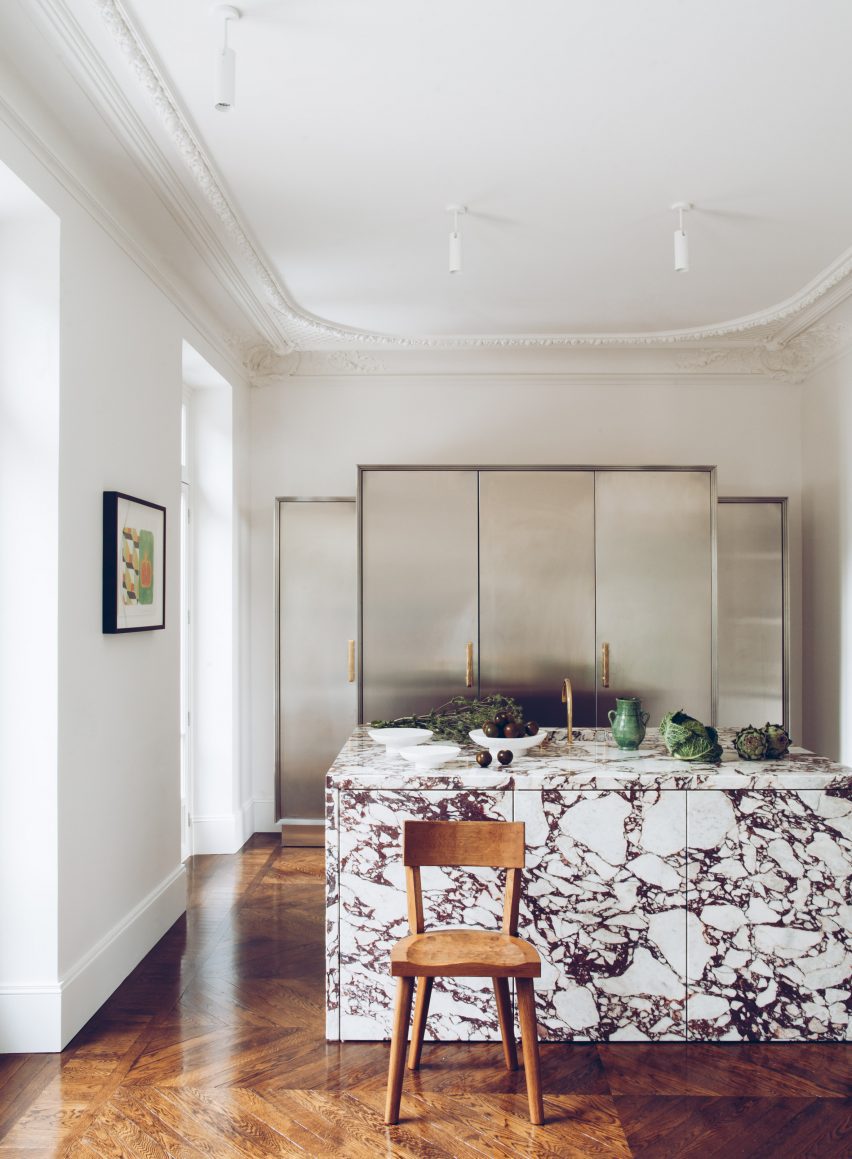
628,722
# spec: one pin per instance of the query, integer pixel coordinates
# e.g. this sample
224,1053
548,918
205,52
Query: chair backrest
499,844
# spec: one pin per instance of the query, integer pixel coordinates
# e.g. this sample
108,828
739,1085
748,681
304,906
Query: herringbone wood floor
214,1047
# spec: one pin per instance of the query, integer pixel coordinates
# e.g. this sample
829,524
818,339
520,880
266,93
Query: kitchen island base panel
769,889
373,912
669,902
604,905
332,918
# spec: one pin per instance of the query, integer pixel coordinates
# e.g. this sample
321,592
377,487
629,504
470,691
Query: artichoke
750,743
777,740
688,739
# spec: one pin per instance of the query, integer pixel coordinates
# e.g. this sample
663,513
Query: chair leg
421,1013
399,1040
529,1042
507,1028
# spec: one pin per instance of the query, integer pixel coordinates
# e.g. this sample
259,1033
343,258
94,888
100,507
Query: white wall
221,808
827,555
308,436
119,796
108,829
29,583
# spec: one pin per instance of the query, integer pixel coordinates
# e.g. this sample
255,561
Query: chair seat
464,954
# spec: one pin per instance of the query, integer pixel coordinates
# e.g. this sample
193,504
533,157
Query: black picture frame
134,564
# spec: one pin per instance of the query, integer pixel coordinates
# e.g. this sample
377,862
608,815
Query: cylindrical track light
681,245
455,238
225,61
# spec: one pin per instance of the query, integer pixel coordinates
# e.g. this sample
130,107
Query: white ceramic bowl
399,738
517,744
430,756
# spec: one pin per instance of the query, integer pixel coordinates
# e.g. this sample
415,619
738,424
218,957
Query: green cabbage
688,739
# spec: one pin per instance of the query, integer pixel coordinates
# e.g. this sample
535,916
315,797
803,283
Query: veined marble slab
592,762
769,892
373,912
668,900
332,917
605,906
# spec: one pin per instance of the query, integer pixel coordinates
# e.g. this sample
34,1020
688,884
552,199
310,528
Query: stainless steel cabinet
419,563
752,612
537,571
654,566
317,616
537,589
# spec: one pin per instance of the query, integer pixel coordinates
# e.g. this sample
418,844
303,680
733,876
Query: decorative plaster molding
306,331
355,362
262,362
791,361
193,311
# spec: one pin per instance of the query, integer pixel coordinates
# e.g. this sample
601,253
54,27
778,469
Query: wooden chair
499,955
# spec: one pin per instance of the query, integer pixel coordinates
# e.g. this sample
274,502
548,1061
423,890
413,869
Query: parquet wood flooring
214,1047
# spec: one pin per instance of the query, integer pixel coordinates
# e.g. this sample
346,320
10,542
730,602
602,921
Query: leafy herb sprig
454,719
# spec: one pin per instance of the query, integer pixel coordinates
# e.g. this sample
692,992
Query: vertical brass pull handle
604,665
351,664
568,701
468,666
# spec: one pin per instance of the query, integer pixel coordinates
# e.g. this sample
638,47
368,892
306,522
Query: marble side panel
604,904
769,889
373,909
332,916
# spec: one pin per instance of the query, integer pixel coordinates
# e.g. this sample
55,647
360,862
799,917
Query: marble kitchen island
668,900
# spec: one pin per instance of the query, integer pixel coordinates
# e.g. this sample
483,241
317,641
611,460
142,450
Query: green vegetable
454,719
777,740
750,743
688,739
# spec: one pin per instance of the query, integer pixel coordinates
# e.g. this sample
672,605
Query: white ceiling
567,129
306,232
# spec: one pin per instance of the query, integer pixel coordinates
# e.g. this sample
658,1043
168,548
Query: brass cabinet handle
351,666
604,665
468,669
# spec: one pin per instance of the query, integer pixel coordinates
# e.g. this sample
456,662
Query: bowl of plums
504,737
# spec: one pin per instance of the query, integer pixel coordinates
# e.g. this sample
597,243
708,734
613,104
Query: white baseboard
30,1019
42,1018
264,816
227,832
247,821
218,832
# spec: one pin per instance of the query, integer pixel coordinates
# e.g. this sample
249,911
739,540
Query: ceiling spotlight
681,246
455,238
225,60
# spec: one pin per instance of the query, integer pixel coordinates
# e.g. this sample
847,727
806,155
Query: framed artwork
134,564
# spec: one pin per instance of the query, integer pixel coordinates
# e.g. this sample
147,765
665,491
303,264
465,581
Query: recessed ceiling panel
566,129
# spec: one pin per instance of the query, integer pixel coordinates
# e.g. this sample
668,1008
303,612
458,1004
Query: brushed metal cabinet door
317,618
751,613
537,590
654,550
418,589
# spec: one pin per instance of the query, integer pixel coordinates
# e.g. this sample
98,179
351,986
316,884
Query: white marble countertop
592,762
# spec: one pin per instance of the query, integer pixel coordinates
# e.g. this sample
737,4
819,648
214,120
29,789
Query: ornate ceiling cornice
304,331
791,361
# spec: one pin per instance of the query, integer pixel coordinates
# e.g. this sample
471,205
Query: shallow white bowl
517,744
429,756
399,738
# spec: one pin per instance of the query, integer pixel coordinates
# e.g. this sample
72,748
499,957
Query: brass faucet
568,698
